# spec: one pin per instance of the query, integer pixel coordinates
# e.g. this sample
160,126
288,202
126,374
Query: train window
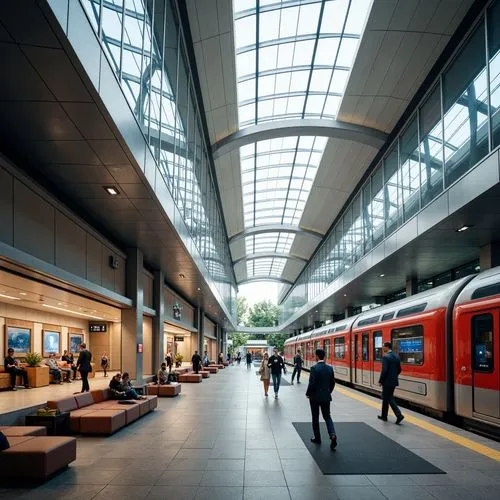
387,316
412,310
377,346
339,348
408,342
327,349
486,291
340,328
482,343
368,321
365,353
317,345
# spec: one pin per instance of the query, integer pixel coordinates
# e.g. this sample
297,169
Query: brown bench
95,413
36,457
168,390
204,373
23,430
212,369
190,378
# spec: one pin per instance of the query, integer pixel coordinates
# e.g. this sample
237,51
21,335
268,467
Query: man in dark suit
391,368
196,361
319,392
84,366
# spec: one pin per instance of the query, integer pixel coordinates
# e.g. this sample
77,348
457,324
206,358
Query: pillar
224,341
132,329
348,312
411,286
489,255
218,331
200,325
158,320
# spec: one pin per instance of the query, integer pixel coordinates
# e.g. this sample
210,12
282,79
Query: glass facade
146,49
453,128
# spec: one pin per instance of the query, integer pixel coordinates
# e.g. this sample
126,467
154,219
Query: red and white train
448,341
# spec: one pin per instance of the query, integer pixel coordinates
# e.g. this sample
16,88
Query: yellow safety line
451,436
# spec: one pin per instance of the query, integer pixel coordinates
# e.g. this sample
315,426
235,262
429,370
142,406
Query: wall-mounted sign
176,310
113,262
178,339
139,347
98,327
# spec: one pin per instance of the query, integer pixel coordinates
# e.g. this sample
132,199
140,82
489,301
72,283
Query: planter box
38,376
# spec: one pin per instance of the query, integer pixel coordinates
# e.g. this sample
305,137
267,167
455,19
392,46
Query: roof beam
275,228
265,278
270,255
299,127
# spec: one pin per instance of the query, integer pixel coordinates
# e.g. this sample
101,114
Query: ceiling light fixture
181,275
72,312
111,190
463,228
345,294
9,297
23,293
382,275
198,289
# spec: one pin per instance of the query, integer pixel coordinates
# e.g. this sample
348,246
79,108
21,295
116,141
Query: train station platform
222,439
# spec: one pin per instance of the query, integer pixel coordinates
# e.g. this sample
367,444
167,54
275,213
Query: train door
356,357
376,364
485,352
365,359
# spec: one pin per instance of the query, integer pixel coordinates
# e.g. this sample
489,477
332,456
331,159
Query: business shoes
400,419
315,441
333,442
380,417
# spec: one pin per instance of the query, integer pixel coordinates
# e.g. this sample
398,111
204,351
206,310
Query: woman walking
265,373
105,363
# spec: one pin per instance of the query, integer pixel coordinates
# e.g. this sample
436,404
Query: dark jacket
321,383
84,360
196,360
276,364
391,368
297,361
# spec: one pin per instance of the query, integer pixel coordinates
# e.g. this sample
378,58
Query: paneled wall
187,311
147,284
109,342
147,346
34,223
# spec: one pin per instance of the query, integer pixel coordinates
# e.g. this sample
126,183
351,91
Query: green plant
178,358
33,359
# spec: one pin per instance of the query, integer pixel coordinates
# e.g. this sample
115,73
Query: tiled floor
223,440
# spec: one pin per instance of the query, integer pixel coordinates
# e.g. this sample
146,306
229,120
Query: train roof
485,284
441,296
338,326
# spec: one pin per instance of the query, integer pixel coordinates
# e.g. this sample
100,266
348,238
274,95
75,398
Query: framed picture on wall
74,341
19,339
51,342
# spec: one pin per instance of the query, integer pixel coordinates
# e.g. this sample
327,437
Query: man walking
319,392
297,366
391,368
276,364
196,360
249,360
84,366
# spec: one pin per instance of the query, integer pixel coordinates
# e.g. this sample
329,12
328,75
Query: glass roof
293,59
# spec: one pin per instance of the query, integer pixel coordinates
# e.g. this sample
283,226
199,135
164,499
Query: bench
23,430
204,373
190,378
95,413
36,457
212,369
164,391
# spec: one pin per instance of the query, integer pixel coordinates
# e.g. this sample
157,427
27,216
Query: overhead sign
178,339
139,347
98,327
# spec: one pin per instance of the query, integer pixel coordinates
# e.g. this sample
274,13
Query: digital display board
98,327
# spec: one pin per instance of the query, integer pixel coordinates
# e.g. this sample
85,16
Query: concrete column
200,324
218,331
489,255
348,312
411,286
158,320
224,341
132,329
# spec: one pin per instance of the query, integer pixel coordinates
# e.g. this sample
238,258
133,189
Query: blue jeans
325,411
276,382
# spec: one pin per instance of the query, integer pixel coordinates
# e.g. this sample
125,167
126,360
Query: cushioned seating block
37,458
144,405
84,399
75,415
15,440
102,422
191,378
26,430
221,367
65,404
169,390
100,395
212,369
182,370
152,389
226,363
153,402
132,412
204,373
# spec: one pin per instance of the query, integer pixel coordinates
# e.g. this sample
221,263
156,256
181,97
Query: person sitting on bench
163,375
12,367
70,359
55,370
121,390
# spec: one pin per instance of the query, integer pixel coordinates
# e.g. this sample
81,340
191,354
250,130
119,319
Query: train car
420,329
476,342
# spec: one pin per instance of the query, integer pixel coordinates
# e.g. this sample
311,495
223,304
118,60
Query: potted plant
178,360
38,375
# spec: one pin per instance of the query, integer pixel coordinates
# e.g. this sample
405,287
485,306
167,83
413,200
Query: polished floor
223,440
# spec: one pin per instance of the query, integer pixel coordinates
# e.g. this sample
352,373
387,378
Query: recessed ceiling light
23,293
59,303
181,275
199,289
9,297
72,312
345,294
316,310
382,275
463,228
111,190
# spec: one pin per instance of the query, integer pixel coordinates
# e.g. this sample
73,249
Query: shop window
365,353
339,348
408,343
377,346
482,343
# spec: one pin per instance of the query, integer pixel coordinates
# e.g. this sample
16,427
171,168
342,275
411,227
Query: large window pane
494,58
465,108
391,190
431,147
377,206
410,170
367,217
